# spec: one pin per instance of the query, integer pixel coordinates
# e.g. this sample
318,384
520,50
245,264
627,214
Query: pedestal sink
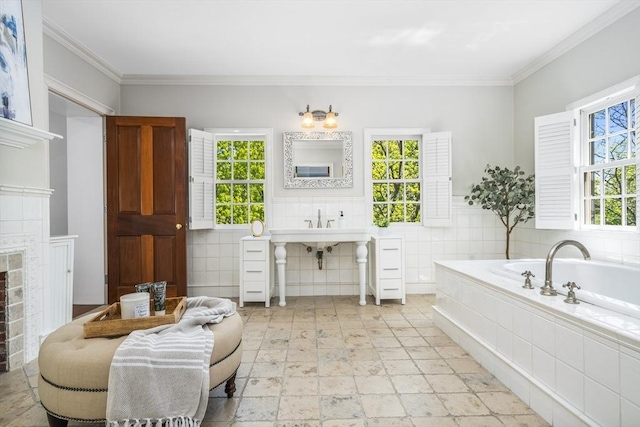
321,237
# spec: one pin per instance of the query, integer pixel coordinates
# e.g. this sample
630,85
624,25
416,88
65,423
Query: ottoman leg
55,421
230,387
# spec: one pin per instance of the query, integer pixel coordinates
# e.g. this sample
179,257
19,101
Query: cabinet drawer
390,245
254,291
390,288
390,270
254,270
254,251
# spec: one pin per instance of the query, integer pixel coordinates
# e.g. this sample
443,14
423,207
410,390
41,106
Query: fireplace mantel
18,135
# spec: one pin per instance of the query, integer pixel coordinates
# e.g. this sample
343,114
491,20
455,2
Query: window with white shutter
408,176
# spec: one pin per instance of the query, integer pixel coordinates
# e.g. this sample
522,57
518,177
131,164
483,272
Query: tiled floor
326,361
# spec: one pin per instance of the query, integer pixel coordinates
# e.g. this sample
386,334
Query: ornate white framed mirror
257,228
318,159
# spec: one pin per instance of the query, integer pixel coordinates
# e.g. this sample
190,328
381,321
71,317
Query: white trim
25,191
610,16
67,92
210,80
61,37
18,135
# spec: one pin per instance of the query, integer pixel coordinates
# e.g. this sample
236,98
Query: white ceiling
386,40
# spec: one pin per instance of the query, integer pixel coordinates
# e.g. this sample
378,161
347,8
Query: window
395,174
586,162
228,177
608,169
408,176
240,179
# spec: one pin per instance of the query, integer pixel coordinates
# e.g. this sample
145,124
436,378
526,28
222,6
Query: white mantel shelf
18,135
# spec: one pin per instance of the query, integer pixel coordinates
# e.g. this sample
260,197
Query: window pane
223,171
223,193
395,149
396,212
256,193
618,117
256,170
413,192
380,212
411,149
613,181
395,169
633,113
613,211
631,210
634,147
596,124
596,151
396,192
592,211
223,214
240,150
630,174
240,214
380,192
224,150
379,170
379,150
257,212
592,181
256,150
240,170
618,147
240,194
411,170
413,212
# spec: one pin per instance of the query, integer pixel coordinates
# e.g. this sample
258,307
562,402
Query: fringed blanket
162,374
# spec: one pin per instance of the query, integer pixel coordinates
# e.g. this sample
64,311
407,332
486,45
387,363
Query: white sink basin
321,236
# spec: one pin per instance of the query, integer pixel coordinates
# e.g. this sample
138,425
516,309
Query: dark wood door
146,204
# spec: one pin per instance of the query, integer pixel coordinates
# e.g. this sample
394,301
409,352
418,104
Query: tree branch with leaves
508,194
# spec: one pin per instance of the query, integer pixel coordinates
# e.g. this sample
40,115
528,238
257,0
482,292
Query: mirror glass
318,159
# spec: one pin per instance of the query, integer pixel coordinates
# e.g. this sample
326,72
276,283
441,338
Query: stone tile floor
326,361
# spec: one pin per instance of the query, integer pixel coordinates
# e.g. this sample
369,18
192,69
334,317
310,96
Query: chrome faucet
319,220
548,289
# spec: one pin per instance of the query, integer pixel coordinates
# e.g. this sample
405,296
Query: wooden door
146,204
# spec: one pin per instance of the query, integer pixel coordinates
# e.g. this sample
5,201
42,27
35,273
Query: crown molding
57,34
67,92
203,80
610,16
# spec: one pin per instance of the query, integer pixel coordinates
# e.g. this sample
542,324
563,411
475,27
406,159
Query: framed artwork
14,77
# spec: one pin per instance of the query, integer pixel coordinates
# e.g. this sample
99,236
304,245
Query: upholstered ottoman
74,371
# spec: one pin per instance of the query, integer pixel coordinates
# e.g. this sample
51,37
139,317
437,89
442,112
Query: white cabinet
255,277
59,293
387,268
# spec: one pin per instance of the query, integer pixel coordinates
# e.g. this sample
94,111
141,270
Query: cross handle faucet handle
310,223
571,286
527,279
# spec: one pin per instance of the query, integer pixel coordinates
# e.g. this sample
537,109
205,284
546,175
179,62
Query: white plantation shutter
201,197
554,171
436,194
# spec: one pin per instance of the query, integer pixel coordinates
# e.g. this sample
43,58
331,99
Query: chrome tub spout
548,289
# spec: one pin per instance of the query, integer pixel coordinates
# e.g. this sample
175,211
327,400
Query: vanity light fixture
329,118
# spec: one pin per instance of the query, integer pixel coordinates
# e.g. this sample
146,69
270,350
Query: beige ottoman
74,372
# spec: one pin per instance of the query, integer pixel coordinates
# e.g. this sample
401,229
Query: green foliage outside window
395,173
240,181
610,176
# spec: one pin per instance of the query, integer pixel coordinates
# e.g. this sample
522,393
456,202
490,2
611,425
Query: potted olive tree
508,194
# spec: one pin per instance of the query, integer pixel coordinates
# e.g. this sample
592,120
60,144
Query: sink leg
361,259
281,261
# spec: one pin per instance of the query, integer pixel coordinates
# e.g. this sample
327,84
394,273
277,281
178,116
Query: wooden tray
108,322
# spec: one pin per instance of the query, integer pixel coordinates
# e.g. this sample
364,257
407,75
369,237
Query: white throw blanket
162,374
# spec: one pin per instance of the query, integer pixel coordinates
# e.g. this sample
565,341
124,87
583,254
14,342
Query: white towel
162,374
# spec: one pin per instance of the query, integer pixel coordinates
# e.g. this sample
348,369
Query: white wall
58,175
479,117
609,57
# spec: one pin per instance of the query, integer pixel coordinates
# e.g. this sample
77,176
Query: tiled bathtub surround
574,365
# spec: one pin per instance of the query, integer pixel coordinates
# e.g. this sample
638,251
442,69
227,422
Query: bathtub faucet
548,289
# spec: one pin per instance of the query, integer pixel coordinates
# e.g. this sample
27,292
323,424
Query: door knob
178,226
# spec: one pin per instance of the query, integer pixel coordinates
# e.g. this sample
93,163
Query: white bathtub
612,286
